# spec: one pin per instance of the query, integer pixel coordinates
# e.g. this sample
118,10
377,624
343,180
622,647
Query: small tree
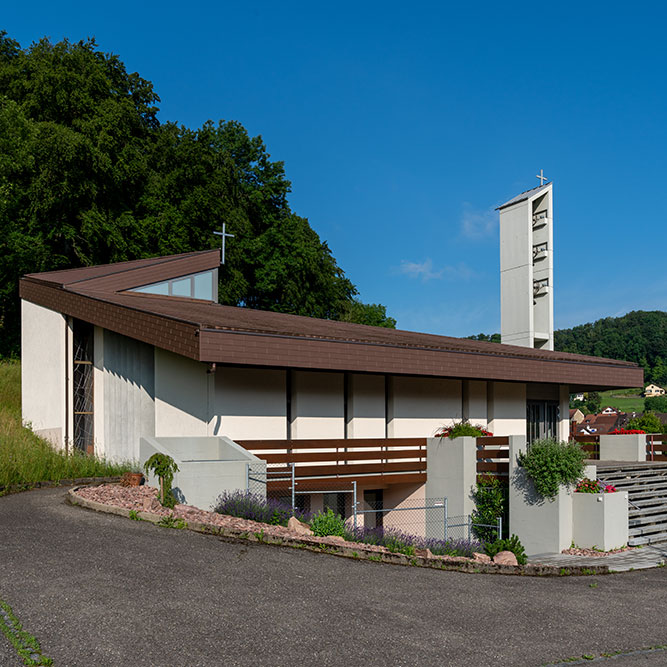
164,467
648,422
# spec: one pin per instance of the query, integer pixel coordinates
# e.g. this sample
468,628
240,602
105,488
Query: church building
114,353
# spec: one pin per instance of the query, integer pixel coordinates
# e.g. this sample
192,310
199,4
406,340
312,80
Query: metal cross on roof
542,177
224,235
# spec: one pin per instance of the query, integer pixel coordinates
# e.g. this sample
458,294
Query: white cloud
476,224
425,271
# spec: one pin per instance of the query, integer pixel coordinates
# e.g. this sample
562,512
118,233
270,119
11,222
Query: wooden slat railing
656,447
492,458
590,444
376,460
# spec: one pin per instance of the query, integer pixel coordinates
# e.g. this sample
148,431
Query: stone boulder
505,558
481,558
424,553
298,527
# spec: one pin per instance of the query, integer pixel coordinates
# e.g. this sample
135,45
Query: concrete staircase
646,484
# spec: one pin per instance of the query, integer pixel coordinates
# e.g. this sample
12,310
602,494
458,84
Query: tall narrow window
542,419
84,433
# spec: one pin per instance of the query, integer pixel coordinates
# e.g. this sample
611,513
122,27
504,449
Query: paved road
101,590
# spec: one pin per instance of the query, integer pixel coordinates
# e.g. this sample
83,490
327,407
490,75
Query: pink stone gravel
593,553
145,499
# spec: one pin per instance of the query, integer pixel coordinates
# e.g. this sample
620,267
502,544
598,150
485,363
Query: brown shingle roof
216,333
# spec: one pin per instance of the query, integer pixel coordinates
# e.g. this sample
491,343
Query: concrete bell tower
526,268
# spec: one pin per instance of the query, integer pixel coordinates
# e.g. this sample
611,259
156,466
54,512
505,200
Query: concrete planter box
600,520
543,525
208,466
630,447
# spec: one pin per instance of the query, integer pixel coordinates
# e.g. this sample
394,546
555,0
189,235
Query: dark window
82,380
542,419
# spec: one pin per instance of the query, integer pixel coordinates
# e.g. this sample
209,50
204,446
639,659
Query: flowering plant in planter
460,429
627,431
594,486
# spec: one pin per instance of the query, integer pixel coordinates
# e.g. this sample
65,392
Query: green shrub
512,544
648,422
491,502
164,467
462,428
328,523
550,464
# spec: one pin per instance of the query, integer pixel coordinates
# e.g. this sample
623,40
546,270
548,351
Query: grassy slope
26,458
623,400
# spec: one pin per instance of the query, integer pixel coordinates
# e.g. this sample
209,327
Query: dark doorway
373,500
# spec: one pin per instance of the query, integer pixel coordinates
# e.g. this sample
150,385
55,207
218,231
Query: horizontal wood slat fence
492,458
375,461
656,446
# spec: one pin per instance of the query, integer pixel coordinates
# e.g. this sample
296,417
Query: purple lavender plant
256,507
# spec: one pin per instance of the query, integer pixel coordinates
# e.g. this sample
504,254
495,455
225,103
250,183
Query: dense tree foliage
590,405
89,175
639,336
493,338
656,404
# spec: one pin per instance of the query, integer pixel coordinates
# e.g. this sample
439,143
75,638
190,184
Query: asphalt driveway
97,589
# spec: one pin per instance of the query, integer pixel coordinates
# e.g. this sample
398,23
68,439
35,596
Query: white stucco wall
317,405
564,405
249,404
43,340
365,409
507,408
124,394
419,406
476,404
181,395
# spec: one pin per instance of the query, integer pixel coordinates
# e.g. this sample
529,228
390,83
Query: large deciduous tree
88,175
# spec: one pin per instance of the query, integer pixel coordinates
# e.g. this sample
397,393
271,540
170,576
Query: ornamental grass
27,459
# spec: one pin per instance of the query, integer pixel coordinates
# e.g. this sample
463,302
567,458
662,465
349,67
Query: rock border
335,547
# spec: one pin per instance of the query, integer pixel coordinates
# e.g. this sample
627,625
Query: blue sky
403,125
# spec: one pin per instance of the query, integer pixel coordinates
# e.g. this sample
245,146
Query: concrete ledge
356,551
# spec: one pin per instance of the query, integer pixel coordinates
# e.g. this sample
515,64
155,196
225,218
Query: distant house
578,397
601,423
609,411
653,390
576,416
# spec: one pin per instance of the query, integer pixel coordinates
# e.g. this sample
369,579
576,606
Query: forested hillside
89,175
639,336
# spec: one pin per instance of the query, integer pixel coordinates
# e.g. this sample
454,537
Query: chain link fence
426,519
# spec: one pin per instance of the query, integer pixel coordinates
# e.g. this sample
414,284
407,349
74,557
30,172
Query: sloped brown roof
212,332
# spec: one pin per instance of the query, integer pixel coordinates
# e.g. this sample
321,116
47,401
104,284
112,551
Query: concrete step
647,510
648,493
647,539
643,519
634,487
649,529
625,478
651,501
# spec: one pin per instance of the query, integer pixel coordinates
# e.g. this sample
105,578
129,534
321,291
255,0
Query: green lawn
626,400
26,458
